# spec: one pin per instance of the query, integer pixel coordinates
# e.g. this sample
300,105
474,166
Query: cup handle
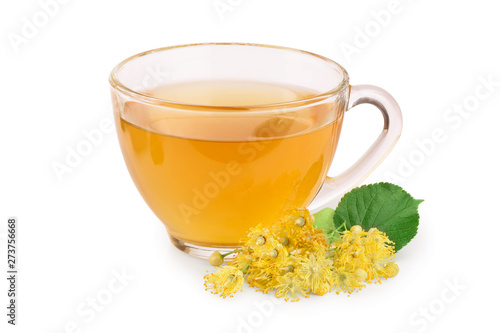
333,187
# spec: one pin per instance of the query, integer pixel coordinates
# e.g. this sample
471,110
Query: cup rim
148,99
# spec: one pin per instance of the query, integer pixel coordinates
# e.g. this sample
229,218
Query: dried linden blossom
294,259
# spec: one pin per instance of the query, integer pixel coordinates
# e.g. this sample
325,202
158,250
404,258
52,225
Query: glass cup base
203,252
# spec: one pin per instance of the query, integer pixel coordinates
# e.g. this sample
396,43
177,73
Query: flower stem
226,254
246,266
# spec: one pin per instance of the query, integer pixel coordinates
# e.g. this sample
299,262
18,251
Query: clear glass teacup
221,137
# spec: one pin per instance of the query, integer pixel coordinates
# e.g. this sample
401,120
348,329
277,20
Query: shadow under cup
211,172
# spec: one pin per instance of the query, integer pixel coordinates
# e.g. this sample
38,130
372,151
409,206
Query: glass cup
210,171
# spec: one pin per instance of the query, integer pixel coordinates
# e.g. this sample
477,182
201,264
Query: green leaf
384,206
324,220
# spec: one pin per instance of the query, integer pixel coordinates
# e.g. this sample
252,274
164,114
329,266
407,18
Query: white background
74,233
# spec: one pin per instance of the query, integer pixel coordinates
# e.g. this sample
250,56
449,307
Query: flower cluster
294,259
365,254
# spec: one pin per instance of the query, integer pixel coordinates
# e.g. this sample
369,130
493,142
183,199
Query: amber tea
209,179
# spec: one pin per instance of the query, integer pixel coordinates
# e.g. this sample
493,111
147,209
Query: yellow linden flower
380,250
290,286
350,252
267,267
263,274
345,281
296,233
314,243
355,234
227,280
368,251
294,258
262,280
317,273
275,253
389,270
379,245
295,227
260,239
242,260
289,264
360,274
